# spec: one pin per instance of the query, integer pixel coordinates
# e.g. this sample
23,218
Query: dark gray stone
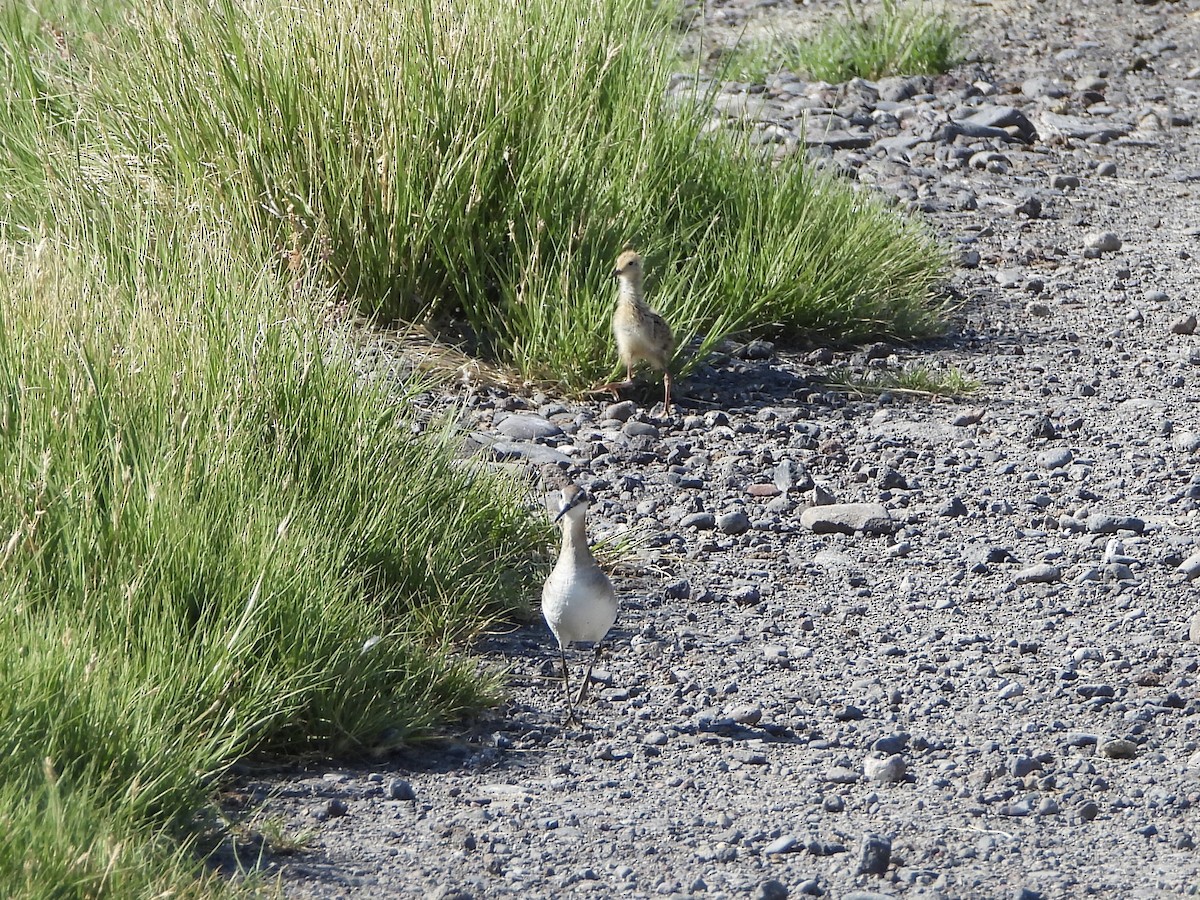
874,855
848,518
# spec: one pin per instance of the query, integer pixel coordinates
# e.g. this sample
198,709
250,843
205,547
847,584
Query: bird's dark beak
616,273
581,497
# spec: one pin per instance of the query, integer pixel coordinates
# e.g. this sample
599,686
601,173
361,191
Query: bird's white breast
579,603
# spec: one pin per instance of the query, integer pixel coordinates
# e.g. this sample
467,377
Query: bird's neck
630,291
574,537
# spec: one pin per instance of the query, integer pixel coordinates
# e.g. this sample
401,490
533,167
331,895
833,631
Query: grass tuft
917,380
910,38
215,542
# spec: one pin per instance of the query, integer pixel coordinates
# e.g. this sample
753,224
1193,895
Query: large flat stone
849,518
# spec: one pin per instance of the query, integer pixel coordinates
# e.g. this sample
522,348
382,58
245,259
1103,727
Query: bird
578,601
642,334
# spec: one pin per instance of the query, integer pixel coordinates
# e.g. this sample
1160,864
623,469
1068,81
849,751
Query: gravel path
990,689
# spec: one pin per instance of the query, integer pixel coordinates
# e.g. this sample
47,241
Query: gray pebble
1103,524
770,890
874,855
620,411
786,844
701,521
1102,242
848,518
636,428
894,743
746,715
885,771
1040,573
1118,748
1190,567
399,789
525,427
736,522
1184,325
1185,441
1055,458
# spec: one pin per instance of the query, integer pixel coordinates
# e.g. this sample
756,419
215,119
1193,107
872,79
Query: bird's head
573,497
629,266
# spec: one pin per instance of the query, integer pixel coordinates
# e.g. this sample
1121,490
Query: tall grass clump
487,160
215,541
910,38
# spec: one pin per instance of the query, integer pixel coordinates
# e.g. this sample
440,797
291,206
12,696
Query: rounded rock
1102,242
736,522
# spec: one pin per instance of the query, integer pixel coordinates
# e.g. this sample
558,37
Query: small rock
635,428
1040,573
331,809
1194,629
1021,766
1190,567
527,427
875,854
736,522
1118,748
885,771
770,890
746,715
1087,810
1184,325
1102,242
1030,207
399,789
1055,458
893,743
620,411
848,518
1011,690
786,844
701,521
953,508
968,417
1186,441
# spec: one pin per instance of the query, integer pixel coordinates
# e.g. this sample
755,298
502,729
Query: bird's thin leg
562,652
587,679
666,391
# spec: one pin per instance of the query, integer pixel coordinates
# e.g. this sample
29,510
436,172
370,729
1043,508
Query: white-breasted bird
642,334
578,600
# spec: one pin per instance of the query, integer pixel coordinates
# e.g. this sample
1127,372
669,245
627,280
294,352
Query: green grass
214,538
919,380
910,38
492,175
205,523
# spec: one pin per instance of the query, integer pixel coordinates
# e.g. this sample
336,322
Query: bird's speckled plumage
642,334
